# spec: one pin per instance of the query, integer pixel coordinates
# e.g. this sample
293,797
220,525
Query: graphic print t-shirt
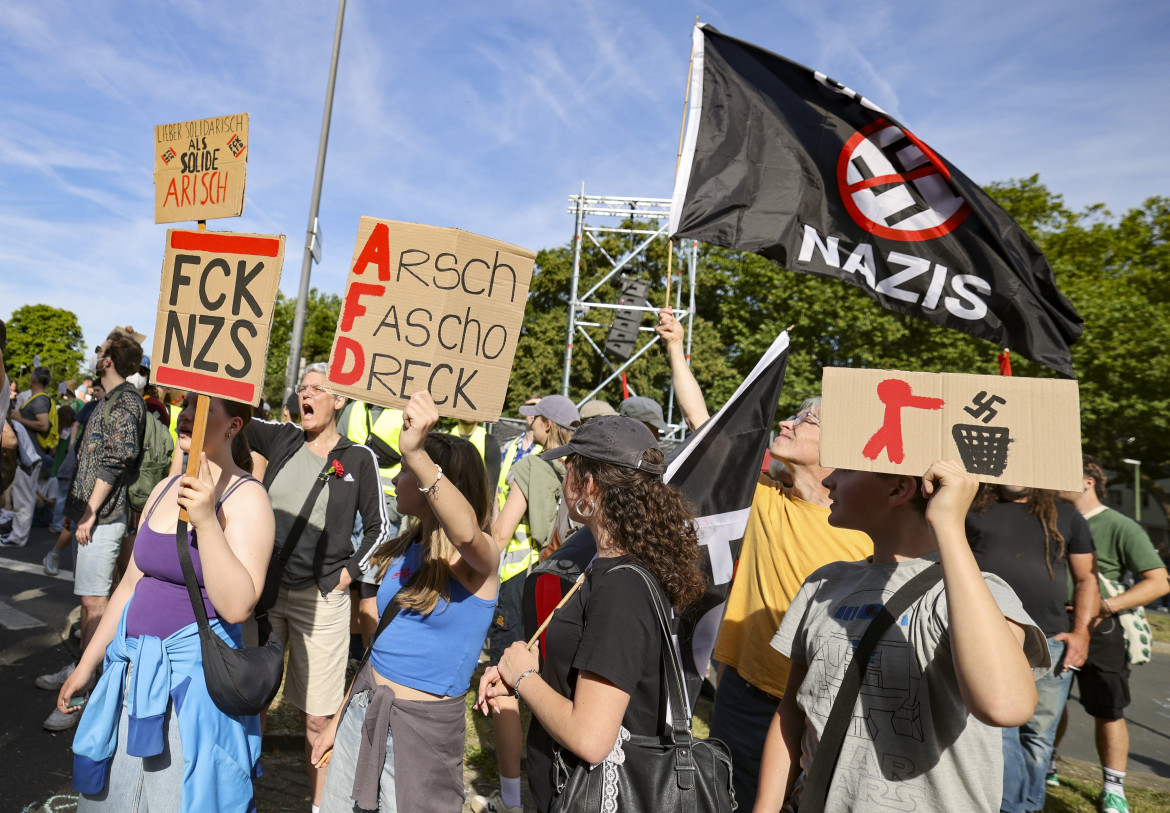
912,744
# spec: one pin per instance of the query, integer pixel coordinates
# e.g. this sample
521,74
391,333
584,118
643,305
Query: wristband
430,490
1105,601
516,685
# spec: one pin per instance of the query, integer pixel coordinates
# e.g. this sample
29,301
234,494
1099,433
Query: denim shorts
93,574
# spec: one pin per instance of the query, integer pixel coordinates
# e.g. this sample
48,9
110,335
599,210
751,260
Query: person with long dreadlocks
1032,540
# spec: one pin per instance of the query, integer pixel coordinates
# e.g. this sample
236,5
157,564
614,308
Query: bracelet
1105,601
516,685
430,490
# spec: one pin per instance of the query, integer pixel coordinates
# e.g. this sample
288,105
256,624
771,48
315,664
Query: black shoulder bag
239,681
815,790
672,771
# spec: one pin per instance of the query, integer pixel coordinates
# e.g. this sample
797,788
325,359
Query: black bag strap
298,526
183,542
680,717
816,784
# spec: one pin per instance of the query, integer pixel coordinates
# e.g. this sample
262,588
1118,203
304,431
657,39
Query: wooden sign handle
198,432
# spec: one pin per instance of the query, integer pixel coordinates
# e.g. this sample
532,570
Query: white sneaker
60,721
52,563
55,681
491,804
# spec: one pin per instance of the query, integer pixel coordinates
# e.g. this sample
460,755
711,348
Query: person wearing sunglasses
788,536
314,560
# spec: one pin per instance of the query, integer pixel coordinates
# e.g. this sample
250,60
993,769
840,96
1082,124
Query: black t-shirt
34,407
609,628
1009,542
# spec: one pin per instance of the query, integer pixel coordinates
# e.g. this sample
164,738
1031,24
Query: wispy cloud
487,117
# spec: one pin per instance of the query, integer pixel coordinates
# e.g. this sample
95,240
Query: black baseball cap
611,439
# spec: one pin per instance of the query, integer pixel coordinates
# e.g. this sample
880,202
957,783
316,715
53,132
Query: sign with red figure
1016,431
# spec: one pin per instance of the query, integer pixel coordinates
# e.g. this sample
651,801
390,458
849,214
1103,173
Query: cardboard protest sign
199,169
1015,431
215,311
430,308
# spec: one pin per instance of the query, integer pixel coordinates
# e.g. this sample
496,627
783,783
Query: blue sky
487,116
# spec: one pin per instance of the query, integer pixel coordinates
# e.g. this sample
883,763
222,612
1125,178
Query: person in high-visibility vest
379,428
515,450
532,503
487,446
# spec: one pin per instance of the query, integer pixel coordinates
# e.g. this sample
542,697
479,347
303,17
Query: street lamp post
1137,487
313,237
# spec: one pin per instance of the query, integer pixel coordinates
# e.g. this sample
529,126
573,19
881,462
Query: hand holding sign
950,490
419,417
197,496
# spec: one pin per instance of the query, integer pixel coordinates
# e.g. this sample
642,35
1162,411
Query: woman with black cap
602,673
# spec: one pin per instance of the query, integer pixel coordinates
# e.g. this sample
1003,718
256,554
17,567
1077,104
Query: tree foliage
52,333
321,314
1116,271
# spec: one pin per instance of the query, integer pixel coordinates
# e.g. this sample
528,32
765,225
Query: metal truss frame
589,211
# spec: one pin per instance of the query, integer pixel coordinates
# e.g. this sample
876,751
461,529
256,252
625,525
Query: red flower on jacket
335,468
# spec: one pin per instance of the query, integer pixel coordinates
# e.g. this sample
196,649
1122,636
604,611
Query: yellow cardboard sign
1002,429
430,308
215,310
199,169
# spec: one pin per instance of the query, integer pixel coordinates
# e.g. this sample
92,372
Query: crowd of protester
347,528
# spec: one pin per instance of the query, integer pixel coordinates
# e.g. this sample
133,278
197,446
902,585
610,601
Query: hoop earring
581,513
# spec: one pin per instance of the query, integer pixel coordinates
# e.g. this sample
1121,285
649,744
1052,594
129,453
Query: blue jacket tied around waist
221,753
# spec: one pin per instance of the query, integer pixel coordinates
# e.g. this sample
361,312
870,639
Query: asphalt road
37,764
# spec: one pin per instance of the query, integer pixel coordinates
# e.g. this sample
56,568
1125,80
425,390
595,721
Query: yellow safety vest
477,438
519,554
388,427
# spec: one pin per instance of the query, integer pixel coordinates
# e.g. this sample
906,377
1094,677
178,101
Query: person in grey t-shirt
960,661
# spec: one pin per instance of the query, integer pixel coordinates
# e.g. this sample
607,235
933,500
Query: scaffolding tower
651,217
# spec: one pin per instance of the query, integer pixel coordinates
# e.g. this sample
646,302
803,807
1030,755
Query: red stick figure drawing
895,394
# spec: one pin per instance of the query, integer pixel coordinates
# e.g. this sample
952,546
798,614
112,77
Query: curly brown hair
463,468
649,520
1041,504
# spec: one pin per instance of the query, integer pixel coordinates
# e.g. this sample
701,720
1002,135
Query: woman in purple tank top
151,618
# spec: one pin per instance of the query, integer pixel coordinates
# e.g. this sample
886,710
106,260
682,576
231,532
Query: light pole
313,237
1137,487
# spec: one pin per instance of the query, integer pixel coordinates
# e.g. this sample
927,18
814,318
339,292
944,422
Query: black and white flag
784,162
717,468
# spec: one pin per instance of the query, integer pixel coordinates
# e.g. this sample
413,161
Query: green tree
321,314
1116,271
52,333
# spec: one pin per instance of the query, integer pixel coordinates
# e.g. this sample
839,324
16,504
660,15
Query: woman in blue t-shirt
405,712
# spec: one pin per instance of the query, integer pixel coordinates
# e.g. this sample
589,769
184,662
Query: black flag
784,162
717,468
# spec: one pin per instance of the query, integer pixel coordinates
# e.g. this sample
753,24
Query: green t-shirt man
1122,546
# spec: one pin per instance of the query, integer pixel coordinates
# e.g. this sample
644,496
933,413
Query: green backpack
155,463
